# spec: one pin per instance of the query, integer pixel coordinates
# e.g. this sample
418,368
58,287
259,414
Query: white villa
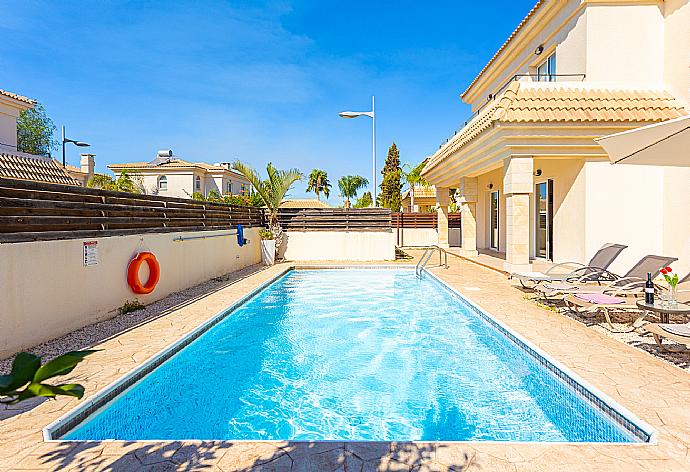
531,181
170,176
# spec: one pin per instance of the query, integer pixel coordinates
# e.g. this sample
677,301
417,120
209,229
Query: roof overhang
489,150
13,100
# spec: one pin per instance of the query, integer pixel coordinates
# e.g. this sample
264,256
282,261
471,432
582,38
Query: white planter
268,251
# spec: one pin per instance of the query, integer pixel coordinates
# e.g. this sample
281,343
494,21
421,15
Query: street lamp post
66,140
372,115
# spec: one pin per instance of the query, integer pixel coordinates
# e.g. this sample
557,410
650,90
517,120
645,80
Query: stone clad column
518,184
468,211
442,202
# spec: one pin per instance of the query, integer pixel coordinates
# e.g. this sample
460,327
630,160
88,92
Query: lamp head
82,144
355,114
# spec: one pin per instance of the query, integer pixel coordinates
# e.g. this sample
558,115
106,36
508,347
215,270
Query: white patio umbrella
661,144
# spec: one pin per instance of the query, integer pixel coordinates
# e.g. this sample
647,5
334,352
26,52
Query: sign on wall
90,253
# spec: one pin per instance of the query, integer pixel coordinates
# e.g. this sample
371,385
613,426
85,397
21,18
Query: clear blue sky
255,81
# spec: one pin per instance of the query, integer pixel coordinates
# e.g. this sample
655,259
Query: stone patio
654,390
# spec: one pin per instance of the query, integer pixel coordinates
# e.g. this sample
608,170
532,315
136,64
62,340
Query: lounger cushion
677,329
599,298
560,287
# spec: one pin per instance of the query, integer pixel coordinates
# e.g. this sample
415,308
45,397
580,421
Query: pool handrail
428,252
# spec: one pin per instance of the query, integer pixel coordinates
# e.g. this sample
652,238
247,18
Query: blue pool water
368,354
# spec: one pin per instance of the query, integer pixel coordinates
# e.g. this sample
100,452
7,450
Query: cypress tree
391,186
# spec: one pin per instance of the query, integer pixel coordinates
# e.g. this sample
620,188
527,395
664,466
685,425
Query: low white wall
426,237
339,246
417,236
46,291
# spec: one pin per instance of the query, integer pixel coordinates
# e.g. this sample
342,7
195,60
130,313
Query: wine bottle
649,290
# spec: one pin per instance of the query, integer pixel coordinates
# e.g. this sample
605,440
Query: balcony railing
534,78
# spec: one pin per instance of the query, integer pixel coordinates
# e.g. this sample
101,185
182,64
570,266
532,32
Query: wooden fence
32,211
422,220
335,219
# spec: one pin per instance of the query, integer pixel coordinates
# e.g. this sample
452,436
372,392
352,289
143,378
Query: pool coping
72,418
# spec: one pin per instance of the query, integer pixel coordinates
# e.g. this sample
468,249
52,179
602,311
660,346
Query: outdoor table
664,310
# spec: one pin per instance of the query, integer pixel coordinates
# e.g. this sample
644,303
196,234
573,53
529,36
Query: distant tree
365,201
272,191
214,196
413,177
349,184
198,196
243,200
391,186
318,182
35,132
124,183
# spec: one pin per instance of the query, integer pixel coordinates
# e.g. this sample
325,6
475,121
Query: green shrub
130,306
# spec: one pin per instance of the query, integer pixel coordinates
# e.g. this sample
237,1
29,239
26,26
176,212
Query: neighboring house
424,199
19,165
83,173
11,105
304,203
531,181
174,177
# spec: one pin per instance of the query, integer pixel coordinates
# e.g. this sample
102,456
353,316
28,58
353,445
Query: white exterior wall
418,236
677,49
643,45
622,205
67,296
8,125
625,45
180,184
339,246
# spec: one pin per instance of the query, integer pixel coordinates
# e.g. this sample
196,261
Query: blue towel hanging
240,235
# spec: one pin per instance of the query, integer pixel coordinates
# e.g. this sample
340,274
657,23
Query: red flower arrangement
670,277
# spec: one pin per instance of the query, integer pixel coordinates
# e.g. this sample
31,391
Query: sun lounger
631,283
594,270
679,333
591,304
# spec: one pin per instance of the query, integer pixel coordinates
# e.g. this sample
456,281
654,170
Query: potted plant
271,192
268,247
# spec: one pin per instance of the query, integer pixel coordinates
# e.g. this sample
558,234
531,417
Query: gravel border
637,339
98,332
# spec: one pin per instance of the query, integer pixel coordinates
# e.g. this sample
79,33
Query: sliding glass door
543,197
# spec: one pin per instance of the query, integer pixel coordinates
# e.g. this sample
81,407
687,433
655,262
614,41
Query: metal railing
424,260
550,78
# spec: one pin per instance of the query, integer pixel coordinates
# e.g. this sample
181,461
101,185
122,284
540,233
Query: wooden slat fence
335,219
422,220
32,211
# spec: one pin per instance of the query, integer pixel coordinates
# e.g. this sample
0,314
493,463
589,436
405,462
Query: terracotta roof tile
535,102
304,203
36,168
173,163
421,192
20,98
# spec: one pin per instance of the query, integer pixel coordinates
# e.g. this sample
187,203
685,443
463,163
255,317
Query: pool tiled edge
69,420
600,401
608,406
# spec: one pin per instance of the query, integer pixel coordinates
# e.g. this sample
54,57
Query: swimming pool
357,354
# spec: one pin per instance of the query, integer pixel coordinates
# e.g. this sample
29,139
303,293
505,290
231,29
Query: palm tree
349,184
413,177
318,182
272,191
